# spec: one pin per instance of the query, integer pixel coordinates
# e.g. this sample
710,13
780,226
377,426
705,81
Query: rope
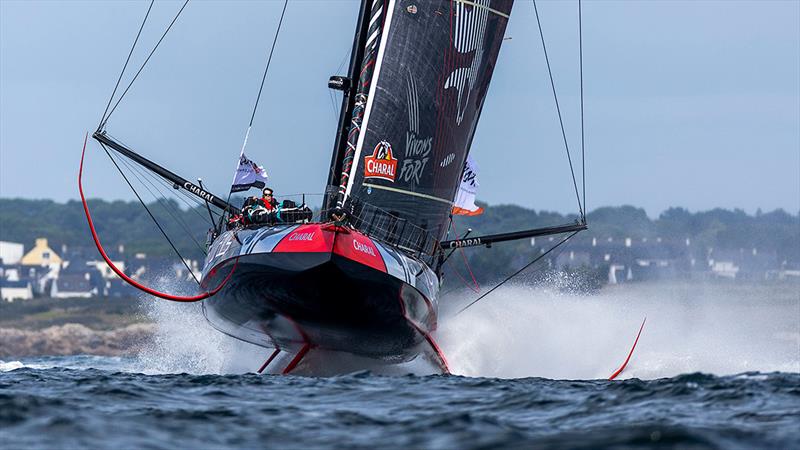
517,272
150,213
144,64
120,273
110,99
558,109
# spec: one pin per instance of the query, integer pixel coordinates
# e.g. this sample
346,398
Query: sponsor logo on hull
302,236
359,248
363,248
307,238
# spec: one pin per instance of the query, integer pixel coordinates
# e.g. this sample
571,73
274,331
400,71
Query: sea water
717,366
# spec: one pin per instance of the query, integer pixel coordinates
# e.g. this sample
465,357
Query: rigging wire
330,91
161,202
558,109
269,59
184,196
187,199
164,233
583,148
103,123
114,92
517,272
477,287
258,97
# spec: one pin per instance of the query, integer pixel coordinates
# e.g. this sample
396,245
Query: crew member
268,200
260,210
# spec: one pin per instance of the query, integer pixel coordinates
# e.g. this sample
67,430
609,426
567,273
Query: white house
11,252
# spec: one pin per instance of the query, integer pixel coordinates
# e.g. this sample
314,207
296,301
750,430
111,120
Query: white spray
715,328
523,331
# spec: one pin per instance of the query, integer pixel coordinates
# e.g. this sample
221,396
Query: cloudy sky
688,103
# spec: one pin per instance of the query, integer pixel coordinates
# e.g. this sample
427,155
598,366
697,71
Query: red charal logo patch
381,164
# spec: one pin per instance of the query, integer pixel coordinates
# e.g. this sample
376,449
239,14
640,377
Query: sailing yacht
364,276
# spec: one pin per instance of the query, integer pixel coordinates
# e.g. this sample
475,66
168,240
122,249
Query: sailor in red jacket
260,210
256,210
268,200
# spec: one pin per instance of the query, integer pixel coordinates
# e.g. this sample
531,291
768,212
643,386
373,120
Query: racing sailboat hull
328,287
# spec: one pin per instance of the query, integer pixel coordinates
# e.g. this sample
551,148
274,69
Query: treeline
117,223
776,232
718,228
127,223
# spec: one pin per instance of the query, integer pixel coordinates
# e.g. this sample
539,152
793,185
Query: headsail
432,70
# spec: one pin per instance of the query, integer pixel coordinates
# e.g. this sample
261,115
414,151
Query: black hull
285,300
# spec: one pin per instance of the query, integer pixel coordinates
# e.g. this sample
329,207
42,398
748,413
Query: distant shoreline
74,339
121,327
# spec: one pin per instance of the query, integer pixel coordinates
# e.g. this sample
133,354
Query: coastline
74,339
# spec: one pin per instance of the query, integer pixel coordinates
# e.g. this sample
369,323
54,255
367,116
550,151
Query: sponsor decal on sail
469,37
381,164
418,148
417,155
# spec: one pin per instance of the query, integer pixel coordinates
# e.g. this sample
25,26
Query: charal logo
363,248
381,164
302,237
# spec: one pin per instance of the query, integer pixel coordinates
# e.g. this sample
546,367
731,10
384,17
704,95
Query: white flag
248,174
464,204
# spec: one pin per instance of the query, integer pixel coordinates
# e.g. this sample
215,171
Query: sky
687,103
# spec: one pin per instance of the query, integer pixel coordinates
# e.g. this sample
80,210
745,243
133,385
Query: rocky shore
74,339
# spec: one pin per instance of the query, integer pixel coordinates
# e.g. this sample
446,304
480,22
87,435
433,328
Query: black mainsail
424,79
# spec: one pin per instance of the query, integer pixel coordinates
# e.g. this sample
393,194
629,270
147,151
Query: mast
348,86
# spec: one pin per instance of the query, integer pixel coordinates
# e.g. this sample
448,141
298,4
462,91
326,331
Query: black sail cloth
430,80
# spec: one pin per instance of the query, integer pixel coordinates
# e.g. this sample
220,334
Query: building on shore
11,290
11,252
41,255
